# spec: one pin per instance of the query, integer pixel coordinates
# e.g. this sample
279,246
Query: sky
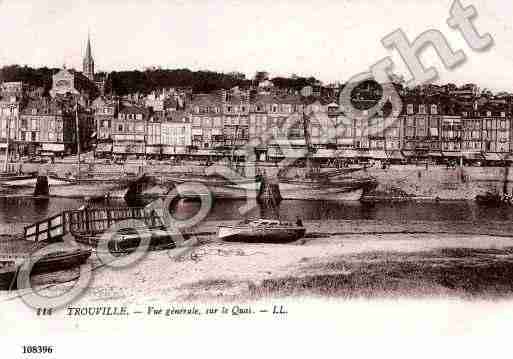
332,40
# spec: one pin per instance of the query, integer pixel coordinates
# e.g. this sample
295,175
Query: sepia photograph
240,174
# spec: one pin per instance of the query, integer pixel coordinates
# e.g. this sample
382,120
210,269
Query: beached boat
262,230
342,189
54,262
92,187
6,178
218,186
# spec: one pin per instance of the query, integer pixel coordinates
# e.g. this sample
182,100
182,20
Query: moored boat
59,186
54,262
6,178
218,186
263,231
193,186
343,189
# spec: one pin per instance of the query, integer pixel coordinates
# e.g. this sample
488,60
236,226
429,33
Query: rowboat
53,262
262,231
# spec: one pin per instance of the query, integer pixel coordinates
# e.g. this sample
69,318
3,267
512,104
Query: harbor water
16,212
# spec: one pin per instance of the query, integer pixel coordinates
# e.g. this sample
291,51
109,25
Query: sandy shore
348,266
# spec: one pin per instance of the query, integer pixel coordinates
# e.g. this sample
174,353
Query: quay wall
432,182
440,182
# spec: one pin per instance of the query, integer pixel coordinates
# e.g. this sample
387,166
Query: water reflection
26,210
382,211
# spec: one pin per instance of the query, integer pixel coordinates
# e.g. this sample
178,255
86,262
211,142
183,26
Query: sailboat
322,186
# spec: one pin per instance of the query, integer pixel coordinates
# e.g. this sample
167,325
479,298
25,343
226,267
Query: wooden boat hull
219,188
52,263
260,235
129,240
64,187
343,190
17,178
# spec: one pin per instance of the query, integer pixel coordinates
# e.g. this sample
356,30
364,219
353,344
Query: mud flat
339,265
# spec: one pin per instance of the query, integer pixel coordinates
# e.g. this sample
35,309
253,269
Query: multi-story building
235,108
495,128
206,112
421,126
176,134
47,127
129,131
452,134
105,113
153,144
10,107
276,123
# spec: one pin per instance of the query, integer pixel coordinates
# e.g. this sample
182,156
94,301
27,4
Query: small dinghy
262,231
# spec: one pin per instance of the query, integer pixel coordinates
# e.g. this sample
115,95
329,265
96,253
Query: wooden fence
88,221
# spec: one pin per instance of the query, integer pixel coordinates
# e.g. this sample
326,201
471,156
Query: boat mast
78,135
8,127
234,141
306,124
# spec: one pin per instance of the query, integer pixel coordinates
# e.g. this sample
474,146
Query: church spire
88,49
88,64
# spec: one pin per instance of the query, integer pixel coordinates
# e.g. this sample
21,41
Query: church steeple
88,64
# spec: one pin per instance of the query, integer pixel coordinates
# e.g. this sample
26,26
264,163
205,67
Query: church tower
88,64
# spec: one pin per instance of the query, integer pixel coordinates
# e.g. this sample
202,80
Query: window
120,128
409,109
503,114
33,136
34,111
275,108
34,124
422,109
488,113
434,110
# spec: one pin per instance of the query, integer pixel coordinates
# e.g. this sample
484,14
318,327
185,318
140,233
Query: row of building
172,124
433,121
